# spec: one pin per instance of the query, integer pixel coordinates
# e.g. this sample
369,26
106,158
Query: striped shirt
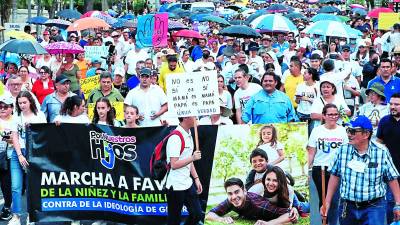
377,166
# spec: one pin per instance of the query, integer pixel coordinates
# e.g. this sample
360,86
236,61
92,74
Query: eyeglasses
16,84
145,76
3,106
42,72
332,114
353,131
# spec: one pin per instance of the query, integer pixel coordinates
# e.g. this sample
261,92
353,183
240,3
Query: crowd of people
329,82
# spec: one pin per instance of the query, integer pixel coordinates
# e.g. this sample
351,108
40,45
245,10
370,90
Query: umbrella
360,11
295,15
325,16
100,15
254,16
357,6
312,1
277,8
274,23
330,29
375,12
182,13
248,12
198,17
175,25
130,24
20,35
128,17
328,9
344,18
237,22
58,23
188,34
234,7
216,19
173,16
23,47
86,23
69,14
112,13
240,31
204,10
40,20
173,7
63,47
120,23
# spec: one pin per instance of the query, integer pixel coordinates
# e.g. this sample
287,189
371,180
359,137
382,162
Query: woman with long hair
72,111
131,115
323,144
224,94
27,81
103,112
44,85
26,113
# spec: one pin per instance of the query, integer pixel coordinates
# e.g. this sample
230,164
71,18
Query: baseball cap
45,32
266,37
361,122
145,71
126,30
6,100
315,56
114,33
119,71
62,79
377,88
345,47
54,28
253,48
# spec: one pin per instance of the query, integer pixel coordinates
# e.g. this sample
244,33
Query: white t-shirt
311,92
81,119
326,143
6,128
149,102
132,57
272,152
337,78
226,98
305,42
348,97
319,104
243,95
374,113
21,121
180,178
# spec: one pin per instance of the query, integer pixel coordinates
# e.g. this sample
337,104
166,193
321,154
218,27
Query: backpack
158,161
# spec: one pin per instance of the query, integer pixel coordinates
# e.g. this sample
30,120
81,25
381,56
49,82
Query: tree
5,11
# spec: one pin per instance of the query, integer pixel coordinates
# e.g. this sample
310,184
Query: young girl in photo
104,113
269,143
131,115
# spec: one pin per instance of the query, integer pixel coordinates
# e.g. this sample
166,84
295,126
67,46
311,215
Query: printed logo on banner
108,148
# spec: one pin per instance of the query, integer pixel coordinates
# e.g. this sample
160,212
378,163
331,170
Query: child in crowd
269,143
103,113
131,115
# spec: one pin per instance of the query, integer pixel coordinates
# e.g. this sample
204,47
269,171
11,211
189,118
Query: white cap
119,71
114,33
126,30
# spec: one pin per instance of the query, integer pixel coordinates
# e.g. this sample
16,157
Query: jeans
17,175
389,205
373,214
176,200
333,210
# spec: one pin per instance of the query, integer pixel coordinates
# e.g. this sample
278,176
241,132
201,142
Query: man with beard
388,134
171,66
362,169
249,206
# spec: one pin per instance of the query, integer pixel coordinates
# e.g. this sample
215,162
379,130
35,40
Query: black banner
94,172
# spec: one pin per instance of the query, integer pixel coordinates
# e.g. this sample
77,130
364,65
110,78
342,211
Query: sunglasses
353,131
4,106
145,75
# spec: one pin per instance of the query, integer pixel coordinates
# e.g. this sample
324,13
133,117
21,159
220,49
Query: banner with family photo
284,145
95,172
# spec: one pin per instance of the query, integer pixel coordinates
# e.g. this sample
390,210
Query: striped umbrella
331,29
273,23
175,25
325,16
354,6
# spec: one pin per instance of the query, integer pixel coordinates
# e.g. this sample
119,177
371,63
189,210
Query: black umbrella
240,31
23,47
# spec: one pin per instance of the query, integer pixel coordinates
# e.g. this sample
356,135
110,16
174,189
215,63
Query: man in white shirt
304,41
150,99
243,94
132,57
183,183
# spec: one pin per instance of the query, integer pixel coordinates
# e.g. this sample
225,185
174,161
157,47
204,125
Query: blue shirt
197,53
51,106
391,87
269,108
281,47
369,184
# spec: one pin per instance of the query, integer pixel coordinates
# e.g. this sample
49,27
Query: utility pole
71,4
29,9
14,11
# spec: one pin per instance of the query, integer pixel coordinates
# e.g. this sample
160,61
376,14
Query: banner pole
196,135
323,194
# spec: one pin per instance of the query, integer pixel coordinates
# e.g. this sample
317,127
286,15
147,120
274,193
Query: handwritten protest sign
88,84
193,94
152,30
118,106
387,20
96,51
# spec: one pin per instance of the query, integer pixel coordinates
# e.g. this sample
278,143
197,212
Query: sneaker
14,221
5,214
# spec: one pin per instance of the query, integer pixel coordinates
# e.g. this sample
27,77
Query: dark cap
345,47
315,56
253,48
62,79
145,71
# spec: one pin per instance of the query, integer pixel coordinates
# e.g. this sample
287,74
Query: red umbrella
375,12
188,34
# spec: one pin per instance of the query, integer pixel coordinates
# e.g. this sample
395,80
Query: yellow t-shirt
164,71
291,84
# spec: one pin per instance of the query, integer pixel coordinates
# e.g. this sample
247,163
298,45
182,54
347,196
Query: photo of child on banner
103,173
272,188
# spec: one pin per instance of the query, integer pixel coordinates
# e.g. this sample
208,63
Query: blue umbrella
254,16
182,12
119,24
173,7
23,47
361,12
172,15
128,17
198,17
277,8
216,19
240,31
37,20
237,22
274,23
325,16
329,9
295,15
112,13
69,14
